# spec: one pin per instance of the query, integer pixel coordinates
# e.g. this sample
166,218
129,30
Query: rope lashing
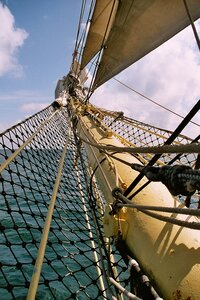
120,115
179,179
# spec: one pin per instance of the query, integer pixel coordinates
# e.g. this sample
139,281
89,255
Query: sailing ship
96,205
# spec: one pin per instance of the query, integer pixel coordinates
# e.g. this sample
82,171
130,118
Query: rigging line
95,254
191,225
181,211
90,91
91,65
89,186
85,28
96,221
81,43
29,140
173,136
100,245
192,24
117,158
91,196
157,150
169,163
25,120
128,203
179,155
149,99
43,242
79,26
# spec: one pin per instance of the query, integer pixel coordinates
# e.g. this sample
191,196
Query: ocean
69,270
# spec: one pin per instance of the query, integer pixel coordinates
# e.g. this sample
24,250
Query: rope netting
76,256
138,134
141,135
78,260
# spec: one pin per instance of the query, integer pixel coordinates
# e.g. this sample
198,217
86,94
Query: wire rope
91,90
78,31
146,210
192,24
153,101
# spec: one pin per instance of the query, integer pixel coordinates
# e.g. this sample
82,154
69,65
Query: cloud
170,75
20,104
33,107
25,95
11,39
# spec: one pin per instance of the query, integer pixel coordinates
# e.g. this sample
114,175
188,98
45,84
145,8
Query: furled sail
102,19
139,27
76,70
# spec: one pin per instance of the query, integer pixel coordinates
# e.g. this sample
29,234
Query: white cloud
170,75
25,95
11,38
33,107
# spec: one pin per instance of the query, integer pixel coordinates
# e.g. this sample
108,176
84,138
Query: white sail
102,19
139,27
76,70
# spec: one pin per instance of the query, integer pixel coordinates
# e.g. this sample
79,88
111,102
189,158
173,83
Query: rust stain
177,296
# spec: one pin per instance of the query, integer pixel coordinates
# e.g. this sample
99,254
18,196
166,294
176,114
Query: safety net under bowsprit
42,161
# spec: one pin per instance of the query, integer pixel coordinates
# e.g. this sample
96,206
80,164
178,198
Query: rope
91,88
183,211
191,225
145,210
154,102
123,290
13,156
169,163
78,31
188,148
87,219
192,24
97,226
171,139
100,238
179,179
41,252
81,43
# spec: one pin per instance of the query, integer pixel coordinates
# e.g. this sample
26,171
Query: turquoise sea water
69,270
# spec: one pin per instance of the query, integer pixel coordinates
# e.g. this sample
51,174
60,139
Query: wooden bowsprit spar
161,248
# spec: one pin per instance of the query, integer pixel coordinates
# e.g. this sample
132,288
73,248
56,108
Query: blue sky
39,44
36,45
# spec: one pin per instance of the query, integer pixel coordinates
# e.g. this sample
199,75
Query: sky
36,44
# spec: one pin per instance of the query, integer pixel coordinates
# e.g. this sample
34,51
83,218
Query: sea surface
69,269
